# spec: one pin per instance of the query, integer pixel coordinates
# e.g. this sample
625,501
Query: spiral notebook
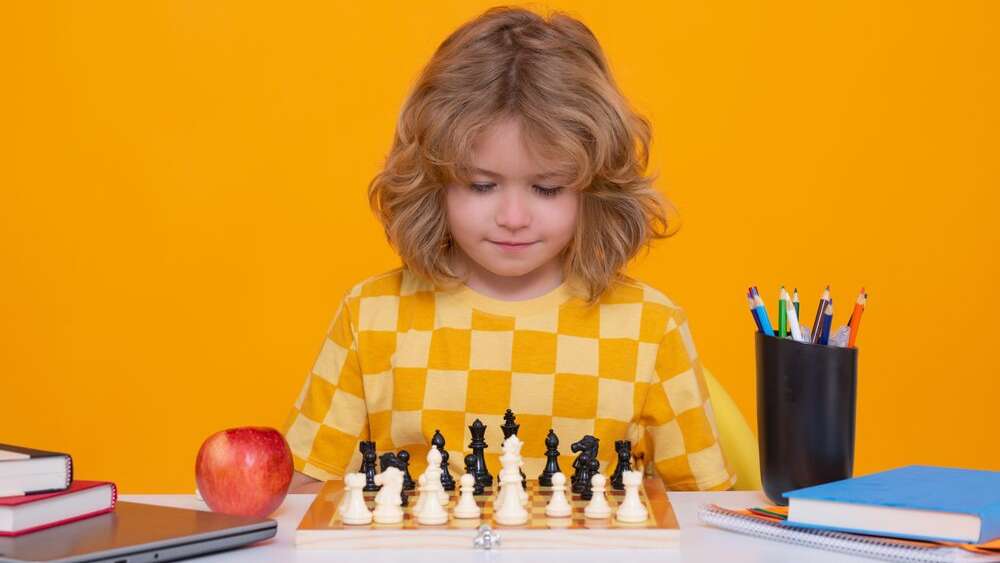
768,524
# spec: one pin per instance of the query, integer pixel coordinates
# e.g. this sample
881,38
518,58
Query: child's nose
513,212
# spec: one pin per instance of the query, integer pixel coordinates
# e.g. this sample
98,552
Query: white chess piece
511,512
356,512
512,462
431,510
467,506
558,505
598,506
433,473
632,509
389,500
421,497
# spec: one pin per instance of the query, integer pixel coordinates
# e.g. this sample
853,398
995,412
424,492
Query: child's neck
533,284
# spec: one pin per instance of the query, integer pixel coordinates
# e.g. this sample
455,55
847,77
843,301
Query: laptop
137,533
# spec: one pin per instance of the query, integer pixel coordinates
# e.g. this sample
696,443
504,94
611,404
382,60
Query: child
515,194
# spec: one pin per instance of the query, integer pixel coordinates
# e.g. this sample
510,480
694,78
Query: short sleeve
677,416
329,417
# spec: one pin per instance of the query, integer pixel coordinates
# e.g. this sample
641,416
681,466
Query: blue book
916,502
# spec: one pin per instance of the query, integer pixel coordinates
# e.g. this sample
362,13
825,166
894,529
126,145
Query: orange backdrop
182,203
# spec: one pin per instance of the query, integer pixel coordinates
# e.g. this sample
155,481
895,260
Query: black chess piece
478,444
367,449
387,460
624,450
551,459
587,490
470,468
403,458
587,448
447,481
509,426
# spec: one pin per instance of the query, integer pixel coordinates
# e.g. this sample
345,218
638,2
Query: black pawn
587,491
403,458
470,468
624,450
478,444
551,459
368,464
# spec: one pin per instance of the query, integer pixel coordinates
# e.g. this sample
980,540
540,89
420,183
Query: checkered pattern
401,360
538,498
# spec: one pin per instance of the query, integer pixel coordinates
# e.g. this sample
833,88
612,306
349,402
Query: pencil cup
806,396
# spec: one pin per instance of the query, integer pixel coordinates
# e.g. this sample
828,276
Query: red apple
244,471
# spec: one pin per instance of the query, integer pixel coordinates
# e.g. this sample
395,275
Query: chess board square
449,349
379,313
376,349
577,355
329,361
533,352
620,320
531,393
617,358
615,399
491,350
489,391
412,348
446,390
574,396
575,320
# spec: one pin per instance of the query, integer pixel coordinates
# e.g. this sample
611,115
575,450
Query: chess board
321,527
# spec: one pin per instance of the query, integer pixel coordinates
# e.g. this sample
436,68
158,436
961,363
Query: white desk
698,542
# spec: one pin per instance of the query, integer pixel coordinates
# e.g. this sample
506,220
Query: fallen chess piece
598,506
356,511
389,500
632,509
558,506
467,506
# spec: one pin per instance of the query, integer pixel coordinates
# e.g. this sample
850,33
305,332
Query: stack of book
37,491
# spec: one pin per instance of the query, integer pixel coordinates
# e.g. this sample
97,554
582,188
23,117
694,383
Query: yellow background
182,203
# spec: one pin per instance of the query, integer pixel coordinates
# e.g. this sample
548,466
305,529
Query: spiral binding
854,544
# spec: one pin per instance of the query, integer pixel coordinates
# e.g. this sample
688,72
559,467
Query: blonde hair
550,74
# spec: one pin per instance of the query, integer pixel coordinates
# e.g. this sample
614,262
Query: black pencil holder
806,397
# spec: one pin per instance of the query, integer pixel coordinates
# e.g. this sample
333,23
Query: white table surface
698,542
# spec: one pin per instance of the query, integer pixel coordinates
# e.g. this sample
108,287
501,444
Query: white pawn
558,505
421,497
632,509
467,506
356,511
511,512
389,500
598,506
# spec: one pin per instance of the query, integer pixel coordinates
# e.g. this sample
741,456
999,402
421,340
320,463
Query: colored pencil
826,323
818,322
782,315
793,318
795,301
855,323
753,311
765,322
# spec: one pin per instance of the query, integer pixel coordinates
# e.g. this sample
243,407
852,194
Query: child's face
513,218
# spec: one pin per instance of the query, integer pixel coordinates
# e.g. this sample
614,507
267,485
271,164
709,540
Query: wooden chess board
321,527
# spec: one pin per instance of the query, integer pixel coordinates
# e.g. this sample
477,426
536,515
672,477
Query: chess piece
356,511
389,499
587,448
510,428
624,450
587,491
551,460
632,508
470,468
431,511
403,458
558,505
598,506
388,460
467,506
511,511
478,445
447,481
367,449
512,461
421,497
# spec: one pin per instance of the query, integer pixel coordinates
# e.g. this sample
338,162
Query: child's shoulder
631,290
394,283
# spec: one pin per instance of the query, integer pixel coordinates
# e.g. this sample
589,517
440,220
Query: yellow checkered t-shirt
402,359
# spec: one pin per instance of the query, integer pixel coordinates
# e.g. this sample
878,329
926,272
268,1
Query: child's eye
548,191
482,187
